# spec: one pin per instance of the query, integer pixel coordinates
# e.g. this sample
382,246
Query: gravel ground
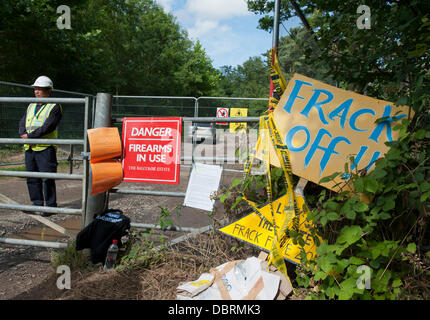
26,271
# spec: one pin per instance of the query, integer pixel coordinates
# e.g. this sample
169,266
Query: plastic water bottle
111,255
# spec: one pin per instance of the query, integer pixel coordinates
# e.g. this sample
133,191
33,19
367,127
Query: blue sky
225,28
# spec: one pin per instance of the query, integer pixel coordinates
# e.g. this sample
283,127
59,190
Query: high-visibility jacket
35,120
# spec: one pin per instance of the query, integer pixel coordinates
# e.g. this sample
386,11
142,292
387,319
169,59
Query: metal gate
10,204
144,106
189,107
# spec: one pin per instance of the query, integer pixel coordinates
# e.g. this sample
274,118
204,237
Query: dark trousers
42,191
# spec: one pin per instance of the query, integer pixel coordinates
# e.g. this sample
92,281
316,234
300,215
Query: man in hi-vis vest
40,122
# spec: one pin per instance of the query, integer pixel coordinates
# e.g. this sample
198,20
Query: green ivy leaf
324,220
359,185
356,261
331,205
425,186
349,234
374,264
325,265
420,134
396,283
320,275
360,207
330,292
371,185
389,204
345,294
350,214
384,216
378,173
238,200
332,216
236,182
376,252
412,247
329,178
425,196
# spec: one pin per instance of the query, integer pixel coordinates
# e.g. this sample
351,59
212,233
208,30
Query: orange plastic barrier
106,175
105,144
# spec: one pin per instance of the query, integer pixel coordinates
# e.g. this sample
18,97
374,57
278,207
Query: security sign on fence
236,127
222,113
152,150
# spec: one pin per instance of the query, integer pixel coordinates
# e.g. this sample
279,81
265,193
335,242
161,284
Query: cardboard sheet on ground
234,280
238,126
256,231
323,126
204,180
106,174
105,143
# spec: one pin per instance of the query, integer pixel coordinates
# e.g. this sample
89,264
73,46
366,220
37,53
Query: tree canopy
122,47
390,61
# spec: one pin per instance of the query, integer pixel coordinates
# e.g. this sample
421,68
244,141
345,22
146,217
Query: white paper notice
204,180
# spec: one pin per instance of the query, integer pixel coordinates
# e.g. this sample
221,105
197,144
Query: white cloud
217,10
202,27
203,17
166,4
226,29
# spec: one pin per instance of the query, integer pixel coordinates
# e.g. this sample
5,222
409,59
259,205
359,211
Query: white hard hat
43,82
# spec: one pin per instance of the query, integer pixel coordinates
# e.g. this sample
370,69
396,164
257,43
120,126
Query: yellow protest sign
238,126
259,232
323,126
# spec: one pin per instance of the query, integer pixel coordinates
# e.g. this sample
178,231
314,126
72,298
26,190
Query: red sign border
219,109
178,121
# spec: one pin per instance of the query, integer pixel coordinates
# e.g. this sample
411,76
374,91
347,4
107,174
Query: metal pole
31,208
97,203
158,227
148,192
45,244
85,165
42,100
209,119
42,175
41,141
196,107
275,39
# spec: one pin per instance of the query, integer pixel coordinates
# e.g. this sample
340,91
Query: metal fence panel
207,106
152,106
72,122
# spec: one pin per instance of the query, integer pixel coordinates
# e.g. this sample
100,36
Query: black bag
98,235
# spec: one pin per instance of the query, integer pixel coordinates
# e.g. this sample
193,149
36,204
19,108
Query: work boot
46,214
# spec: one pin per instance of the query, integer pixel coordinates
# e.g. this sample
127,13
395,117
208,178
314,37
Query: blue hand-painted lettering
324,140
314,104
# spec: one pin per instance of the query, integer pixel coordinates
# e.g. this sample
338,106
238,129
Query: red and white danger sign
222,113
151,149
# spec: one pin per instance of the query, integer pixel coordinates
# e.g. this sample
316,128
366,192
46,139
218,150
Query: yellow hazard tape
278,80
270,134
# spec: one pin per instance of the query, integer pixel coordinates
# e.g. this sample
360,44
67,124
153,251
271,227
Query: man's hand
24,136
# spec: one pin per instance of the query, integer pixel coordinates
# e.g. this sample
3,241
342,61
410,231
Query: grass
70,257
146,274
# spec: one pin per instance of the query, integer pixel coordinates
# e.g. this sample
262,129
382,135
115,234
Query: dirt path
26,272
